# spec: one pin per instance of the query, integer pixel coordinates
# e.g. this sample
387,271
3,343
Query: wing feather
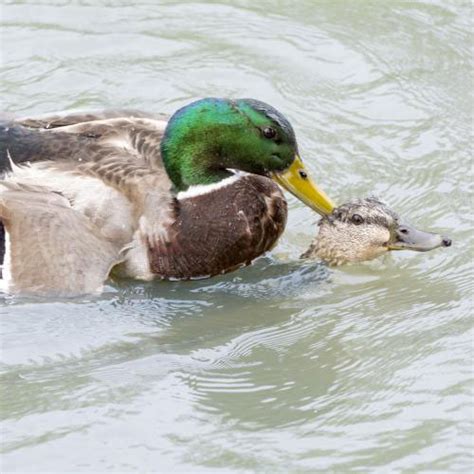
75,139
51,249
62,119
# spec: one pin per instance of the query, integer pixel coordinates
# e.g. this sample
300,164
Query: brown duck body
220,231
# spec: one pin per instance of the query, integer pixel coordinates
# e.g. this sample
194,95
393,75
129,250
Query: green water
279,367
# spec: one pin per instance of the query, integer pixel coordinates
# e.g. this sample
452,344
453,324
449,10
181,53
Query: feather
44,254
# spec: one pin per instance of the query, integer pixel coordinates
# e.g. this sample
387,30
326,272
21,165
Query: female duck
364,229
190,198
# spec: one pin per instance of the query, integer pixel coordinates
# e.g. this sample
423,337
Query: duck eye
357,219
303,174
269,132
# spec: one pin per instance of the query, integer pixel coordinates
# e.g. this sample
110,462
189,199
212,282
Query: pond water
282,366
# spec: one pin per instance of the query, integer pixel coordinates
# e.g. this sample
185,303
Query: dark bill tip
446,242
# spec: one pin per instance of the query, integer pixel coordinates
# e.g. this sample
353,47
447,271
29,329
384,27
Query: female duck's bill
364,229
409,238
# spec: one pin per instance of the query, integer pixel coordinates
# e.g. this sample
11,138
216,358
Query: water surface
280,367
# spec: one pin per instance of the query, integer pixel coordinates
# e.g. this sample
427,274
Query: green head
208,139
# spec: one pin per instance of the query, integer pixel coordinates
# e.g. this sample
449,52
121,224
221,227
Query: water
280,367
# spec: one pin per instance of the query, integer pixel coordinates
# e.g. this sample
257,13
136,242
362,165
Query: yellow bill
297,180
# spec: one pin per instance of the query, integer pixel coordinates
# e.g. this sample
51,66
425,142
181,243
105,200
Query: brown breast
222,230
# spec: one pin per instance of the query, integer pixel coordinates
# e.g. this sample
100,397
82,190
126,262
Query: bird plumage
94,188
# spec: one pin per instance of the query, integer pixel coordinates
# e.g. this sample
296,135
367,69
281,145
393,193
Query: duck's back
81,137
86,144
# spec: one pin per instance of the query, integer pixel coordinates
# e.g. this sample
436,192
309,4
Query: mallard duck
187,198
364,229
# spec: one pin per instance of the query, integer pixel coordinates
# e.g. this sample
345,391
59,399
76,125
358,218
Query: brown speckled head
364,229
